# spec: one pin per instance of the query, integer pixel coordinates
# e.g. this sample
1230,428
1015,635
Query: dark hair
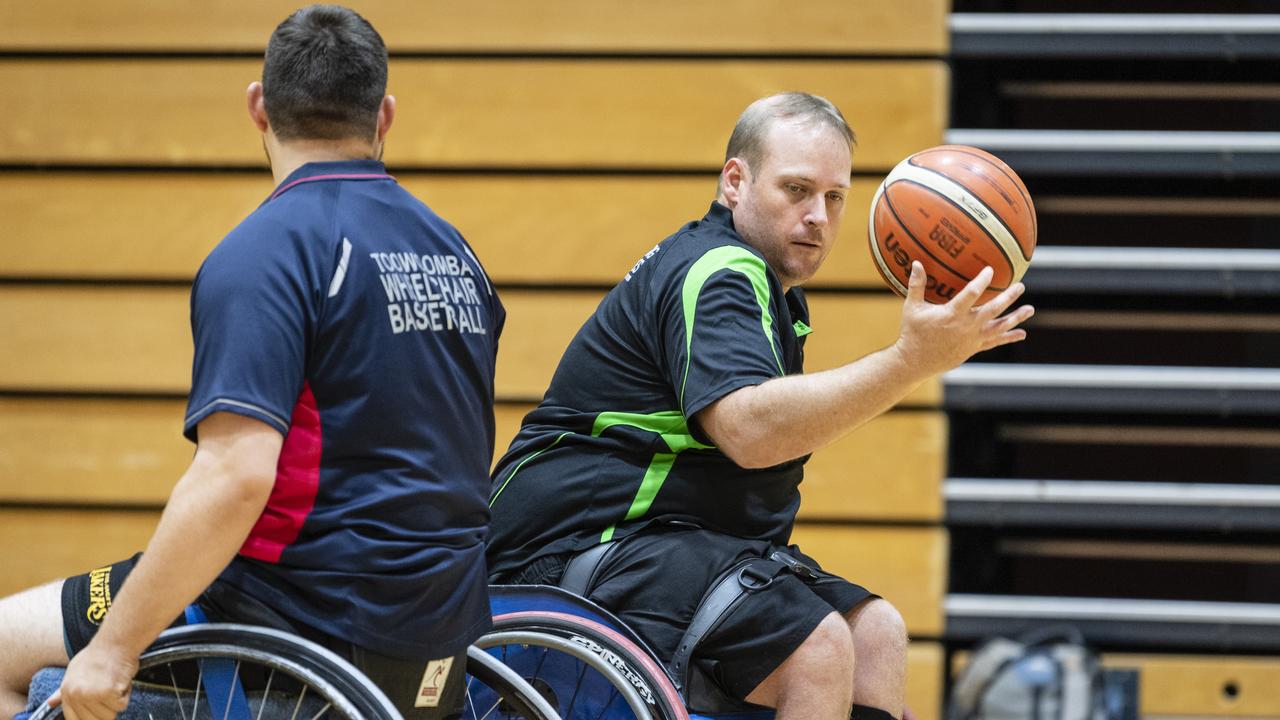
324,76
747,141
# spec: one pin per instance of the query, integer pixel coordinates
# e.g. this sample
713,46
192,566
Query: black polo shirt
611,448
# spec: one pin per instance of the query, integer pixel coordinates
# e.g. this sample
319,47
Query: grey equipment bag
1046,674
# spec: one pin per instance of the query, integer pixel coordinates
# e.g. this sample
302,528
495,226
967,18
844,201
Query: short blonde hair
748,139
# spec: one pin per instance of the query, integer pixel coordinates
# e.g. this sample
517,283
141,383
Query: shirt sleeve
249,323
721,333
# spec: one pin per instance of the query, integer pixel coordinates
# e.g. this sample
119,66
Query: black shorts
655,580
87,598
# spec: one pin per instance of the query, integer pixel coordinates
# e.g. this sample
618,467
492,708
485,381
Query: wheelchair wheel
282,676
585,669
496,691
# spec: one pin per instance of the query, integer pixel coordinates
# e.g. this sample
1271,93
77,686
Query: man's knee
823,662
878,628
31,636
830,647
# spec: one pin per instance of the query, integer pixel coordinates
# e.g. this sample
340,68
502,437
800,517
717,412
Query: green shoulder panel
736,259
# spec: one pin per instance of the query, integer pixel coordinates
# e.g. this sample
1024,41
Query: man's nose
817,213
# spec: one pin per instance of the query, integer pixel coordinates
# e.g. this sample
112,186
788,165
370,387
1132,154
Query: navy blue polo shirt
611,448
351,318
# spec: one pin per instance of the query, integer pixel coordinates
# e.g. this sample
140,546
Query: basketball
956,209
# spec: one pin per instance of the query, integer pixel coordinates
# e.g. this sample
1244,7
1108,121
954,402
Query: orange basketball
956,209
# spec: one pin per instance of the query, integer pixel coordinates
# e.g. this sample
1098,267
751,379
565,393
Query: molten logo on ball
956,209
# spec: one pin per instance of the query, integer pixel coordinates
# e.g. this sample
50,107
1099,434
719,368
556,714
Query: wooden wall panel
819,26
136,338
89,450
905,565
37,546
464,113
550,229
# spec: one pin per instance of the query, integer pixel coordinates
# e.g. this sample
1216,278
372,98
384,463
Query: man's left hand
97,684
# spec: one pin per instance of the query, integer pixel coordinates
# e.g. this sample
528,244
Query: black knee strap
726,593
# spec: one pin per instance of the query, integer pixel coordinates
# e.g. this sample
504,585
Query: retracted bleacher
1120,470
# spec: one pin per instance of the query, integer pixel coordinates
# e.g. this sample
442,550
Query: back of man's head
324,76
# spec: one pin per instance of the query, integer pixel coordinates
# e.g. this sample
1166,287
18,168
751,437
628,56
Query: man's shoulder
698,244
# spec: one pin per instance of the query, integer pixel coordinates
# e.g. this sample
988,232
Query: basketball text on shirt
430,292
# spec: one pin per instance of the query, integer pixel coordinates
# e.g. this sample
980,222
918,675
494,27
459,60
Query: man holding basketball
678,423
342,405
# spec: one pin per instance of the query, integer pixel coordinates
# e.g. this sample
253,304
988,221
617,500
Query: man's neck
288,157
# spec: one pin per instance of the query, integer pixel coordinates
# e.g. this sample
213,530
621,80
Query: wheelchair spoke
323,710
472,704
577,687
469,703
266,695
231,692
298,707
177,695
195,703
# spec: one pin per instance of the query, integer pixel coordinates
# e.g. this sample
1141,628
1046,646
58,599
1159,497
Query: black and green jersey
611,448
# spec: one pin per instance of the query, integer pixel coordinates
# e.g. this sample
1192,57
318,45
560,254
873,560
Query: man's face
790,207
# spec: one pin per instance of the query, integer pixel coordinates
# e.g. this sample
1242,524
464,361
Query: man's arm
208,516
788,417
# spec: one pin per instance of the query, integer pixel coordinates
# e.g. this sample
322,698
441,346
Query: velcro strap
221,686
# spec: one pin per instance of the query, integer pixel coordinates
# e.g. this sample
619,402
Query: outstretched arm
788,417
208,516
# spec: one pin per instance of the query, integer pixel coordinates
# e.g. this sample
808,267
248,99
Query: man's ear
386,113
257,106
732,176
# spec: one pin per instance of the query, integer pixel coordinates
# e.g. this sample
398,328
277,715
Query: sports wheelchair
242,672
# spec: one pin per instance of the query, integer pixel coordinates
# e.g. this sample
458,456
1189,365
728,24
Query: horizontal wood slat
95,338
130,451
37,546
87,450
889,469
464,113
1203,686
704,26
549,229
905,565
136,338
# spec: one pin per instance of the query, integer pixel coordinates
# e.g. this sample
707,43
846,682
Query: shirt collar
335,170
720,215
723,216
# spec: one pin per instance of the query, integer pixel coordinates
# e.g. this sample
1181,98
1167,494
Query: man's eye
835,198
793,188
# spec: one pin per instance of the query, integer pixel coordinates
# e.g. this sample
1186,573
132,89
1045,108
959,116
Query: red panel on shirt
297,482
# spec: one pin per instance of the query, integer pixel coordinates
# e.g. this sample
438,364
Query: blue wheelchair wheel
265,674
